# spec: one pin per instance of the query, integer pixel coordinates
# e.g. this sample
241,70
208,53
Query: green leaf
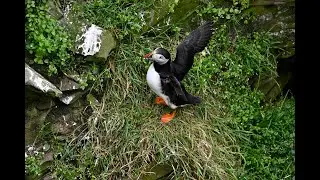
38,60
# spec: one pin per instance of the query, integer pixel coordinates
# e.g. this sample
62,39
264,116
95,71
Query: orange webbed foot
159,100
168,117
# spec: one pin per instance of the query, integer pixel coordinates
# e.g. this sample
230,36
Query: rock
45,104
31,112
71,97
66,84
271,87
78,103
171,12
108,43
279,19
72,75
61,128
95,42
90,40
34,123
48,177
159,171
54,9
32,78
61,119
48,157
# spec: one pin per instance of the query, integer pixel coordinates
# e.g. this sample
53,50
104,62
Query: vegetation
46,41
232,134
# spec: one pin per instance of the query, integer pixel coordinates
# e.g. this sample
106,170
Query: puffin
164,76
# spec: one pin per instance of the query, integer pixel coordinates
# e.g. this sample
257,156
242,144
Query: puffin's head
159,56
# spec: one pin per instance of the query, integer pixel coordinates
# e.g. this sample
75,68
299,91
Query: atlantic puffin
164,76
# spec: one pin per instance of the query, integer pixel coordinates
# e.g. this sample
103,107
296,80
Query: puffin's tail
193,99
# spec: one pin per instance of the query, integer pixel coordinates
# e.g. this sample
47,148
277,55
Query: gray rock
108,43
159,171
54,9
78,103
61,128
46,104
95,42
279,20
48,177
72,75
34,123
69,99
90,40
168,12
33,78
67,84
48,157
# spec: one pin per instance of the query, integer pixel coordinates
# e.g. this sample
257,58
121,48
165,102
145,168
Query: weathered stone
54,9
66,84
48,177
108,43
78,103
45,104
69,116
34,79
70,98
72,75
170,12
90,40
48,157
157,171
34,123
96,43
272,87
277,88
61,128
277,17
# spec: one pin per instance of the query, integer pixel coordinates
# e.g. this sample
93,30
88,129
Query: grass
126,135
221,138
128,130
270,152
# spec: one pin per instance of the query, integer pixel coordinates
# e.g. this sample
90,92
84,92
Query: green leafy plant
232,61
46,41
124,16
269,153
33,165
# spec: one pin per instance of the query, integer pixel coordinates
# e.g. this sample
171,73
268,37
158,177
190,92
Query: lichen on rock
91,40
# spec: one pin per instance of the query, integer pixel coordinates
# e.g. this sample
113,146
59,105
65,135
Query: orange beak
148,55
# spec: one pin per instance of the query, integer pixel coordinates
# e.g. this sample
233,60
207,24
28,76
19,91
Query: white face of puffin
159,58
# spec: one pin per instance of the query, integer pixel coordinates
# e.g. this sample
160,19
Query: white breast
154,82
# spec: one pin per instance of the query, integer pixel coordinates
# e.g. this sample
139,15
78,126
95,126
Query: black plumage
173,72
194,43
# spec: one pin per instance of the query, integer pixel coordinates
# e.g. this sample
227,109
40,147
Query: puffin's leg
168,116
159,100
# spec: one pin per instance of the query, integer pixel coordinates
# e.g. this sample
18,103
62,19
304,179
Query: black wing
194,43
170,81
